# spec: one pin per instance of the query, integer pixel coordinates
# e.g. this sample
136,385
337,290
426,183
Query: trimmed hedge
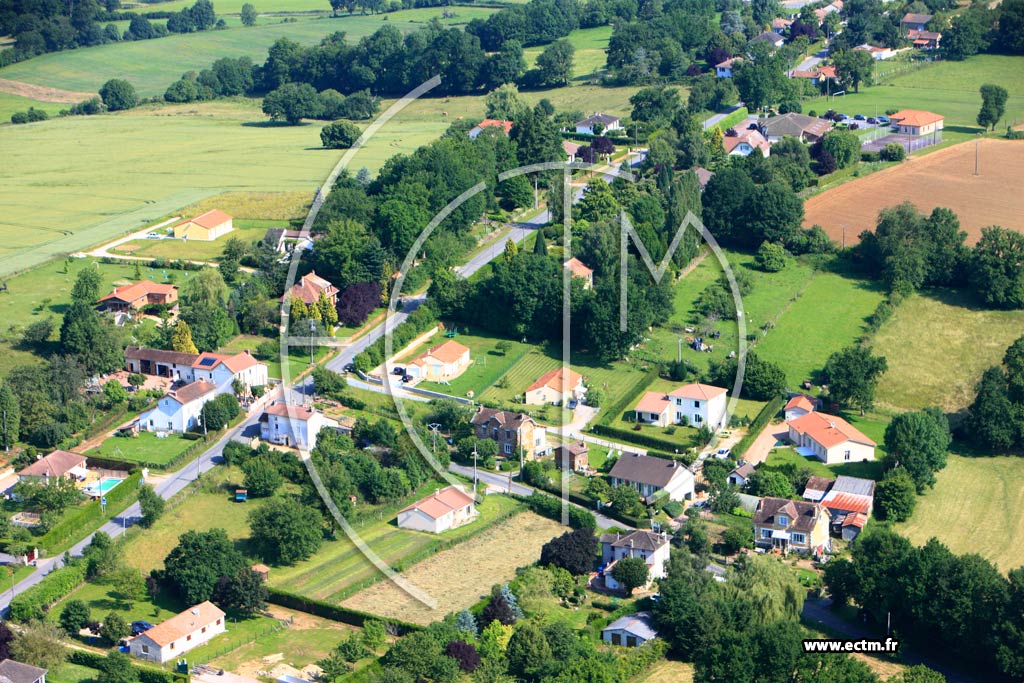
640,439
732,119
147,674
84,519
619,407
327,610
770,410
33,602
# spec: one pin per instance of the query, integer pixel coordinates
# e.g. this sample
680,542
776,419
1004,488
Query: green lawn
235,6
152,65
45,291
146,447
246,230
71,673
487,363
945,87
865,470
591,45
937,346
9,104
974,508
298,355
340,570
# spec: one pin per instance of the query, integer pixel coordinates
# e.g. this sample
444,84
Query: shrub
893,151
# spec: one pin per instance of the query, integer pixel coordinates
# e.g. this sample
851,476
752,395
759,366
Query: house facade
746,142
581,271
515,433
135,297
556,387
448,508
573,457
632,630
179,410
917,123
179,634
440,363
649,475
310,287
652,548
58,464
605,122
798,406
291,426
495,124
791,526
696,405
741,475
571,149
205,227
219,369
724,69
830,439
912,21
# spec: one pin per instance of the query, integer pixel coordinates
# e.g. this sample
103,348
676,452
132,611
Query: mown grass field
872,425
340,569
944,87
487,363
145,447
666,671
152,65
937,346
10,104
298,356
975,508
234,6
46,292
246,230
590,56
493,556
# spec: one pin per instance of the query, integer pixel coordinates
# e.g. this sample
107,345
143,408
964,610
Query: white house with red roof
290,425
829,438
223,370
556,387
310,287
916,122
440,363
178,411
724,69
580,270
605,123
696,405
799,405
653,548
496,124
179,634
745,142
448,508
54,466
205,227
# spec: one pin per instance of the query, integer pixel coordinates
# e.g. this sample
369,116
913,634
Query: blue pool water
103,486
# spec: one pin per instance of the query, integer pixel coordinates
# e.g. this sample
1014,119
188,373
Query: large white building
648,475
179,634
696,405
448,508
290,425
178,411
829,438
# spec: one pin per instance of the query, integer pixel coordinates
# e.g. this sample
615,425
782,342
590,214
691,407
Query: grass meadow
937,346
487,363
246,230
145,447
9,104
974,508
591,45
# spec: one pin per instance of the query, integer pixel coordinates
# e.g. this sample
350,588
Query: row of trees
996,417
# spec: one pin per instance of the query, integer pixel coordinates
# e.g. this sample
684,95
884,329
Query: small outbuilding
632,630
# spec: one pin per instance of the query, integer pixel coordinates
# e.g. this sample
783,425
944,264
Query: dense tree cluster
996,417
975,614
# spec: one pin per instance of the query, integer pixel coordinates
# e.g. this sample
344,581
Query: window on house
766,534
631,641
189,637
172,646
218,622
846,455
798,538
696,404
783,520
145,649
508,449
508,434
616,639
204,629
698,419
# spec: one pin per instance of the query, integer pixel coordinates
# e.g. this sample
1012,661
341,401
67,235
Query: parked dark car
349,367
884,120
571,405
398,371
406,378
842,117
140,627
859,117
872,119
854,126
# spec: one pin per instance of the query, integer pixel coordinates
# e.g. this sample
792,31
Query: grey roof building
16,672
631,630
804,128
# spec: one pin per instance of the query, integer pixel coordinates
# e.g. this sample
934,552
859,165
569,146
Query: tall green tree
286,531
992,420
554,64
919,444
853,375
196,564
896,496
854,67
10,417
993,105
181,338
248,14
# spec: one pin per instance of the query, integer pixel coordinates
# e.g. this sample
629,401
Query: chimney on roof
437,492
832,424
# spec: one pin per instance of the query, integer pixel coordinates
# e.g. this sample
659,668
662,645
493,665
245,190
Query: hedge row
83,519
614,410
770,410
616,139
33,602
327,610
551,507
199,442
147,674
640,439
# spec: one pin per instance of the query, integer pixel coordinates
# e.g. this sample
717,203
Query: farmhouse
502,125
135,297
220,369
290,425
16,672
816,488
780,25
174,365
573,457
440,363
744,142
741,475
917,123
448,508
696,405
912,21
925,40
849,499
580,270
54,466
514,432
791,525
205,227
724,69
179,634
178,411
804,128
799,405
605,123
310,287
830,439
653,548
632,630
556,387
648,475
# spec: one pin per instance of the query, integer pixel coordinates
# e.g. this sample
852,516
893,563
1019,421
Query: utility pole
474,470
977,147
679,353
312,331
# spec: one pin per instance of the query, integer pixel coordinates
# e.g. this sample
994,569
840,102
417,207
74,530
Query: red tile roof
754,138
506,126
856,519
448,352
800,401
847,502
56,464
303,413
558,380
699,392
916,117
136,291
309,287
193,391
236,363
442,502
828,430
578,268
208,220
180,625
652,402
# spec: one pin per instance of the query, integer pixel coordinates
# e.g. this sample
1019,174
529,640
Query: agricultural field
493,555
945,87
246,230
235,6
46,292
487,363
339,569
937,346
152,65
666,671
944,178
974,508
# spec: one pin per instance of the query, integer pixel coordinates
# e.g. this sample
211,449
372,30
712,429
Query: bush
118,94
339,135
893,151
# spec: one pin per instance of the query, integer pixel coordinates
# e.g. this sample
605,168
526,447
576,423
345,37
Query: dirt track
944,178
43,94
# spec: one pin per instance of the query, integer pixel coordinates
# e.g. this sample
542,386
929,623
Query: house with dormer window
515,433
652,548
791,526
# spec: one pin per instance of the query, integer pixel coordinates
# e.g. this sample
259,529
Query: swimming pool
103,486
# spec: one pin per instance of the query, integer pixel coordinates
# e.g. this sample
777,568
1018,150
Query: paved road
502,481
813,61
819,611
712,120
